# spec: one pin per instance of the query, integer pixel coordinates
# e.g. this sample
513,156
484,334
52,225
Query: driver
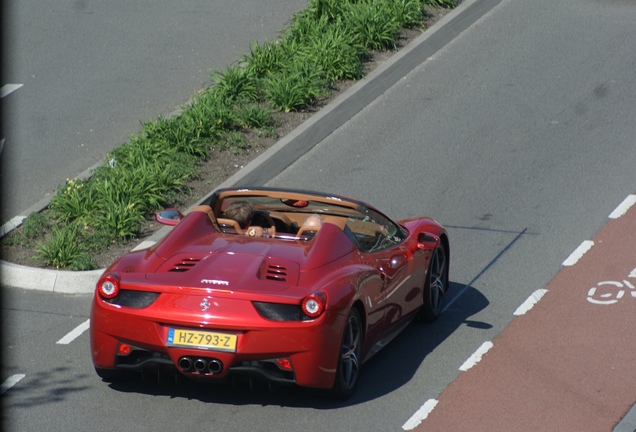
242,212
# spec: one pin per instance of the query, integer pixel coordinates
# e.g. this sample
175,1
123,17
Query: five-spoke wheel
349,360
435,285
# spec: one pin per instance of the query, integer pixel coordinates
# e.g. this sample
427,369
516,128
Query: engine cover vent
276,273
184,265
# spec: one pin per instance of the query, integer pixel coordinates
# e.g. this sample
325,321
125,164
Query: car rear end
209,332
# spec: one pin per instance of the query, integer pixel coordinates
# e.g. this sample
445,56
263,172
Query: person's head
313,221
240,211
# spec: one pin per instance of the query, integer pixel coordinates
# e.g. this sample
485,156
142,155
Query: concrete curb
297,143
48,280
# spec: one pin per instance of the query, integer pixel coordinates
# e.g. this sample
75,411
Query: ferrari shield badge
205,305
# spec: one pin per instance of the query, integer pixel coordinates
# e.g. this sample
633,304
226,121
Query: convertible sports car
275,299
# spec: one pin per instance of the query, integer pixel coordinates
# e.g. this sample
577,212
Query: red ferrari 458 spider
292,286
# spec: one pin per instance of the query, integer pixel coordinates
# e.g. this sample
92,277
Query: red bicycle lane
568,363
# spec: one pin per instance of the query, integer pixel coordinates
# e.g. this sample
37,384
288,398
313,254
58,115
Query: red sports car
302,291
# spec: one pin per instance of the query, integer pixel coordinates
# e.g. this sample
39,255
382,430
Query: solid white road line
623,207
7,89
578,253
10,382
476,357
420,415
530,302
75,333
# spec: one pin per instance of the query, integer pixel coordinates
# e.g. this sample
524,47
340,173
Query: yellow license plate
202,340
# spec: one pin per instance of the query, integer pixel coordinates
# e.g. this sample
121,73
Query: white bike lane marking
611,291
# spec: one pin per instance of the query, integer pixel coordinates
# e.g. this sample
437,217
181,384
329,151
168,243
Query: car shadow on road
384,373
398,363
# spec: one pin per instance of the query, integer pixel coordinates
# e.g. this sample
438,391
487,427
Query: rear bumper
312,347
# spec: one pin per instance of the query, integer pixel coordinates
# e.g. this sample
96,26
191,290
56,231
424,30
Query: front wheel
435,285
349,359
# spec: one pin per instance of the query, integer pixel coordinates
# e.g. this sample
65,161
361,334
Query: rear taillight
108,286
314,304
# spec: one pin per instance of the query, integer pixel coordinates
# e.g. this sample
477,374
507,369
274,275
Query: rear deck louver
184,265
276,273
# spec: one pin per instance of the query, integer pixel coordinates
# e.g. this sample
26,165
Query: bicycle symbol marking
610,292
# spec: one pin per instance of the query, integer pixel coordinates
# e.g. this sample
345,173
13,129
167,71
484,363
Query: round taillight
314,304
108,286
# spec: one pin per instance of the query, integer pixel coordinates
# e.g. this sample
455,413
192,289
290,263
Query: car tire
349,357
435,285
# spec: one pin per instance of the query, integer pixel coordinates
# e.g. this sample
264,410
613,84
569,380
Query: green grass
64,249
327,41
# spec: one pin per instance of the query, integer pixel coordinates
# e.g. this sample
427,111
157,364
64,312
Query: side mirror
169,217
426,241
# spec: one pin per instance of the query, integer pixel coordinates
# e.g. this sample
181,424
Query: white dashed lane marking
420,415
75,333
476,357
623,207
578,253
530,302
10,382
7,89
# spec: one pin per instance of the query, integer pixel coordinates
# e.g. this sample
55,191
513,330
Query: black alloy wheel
349,361
435,285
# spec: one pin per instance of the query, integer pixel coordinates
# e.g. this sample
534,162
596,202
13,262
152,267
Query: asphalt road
519,136
89,72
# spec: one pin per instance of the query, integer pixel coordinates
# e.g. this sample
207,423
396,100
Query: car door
402,292
387,246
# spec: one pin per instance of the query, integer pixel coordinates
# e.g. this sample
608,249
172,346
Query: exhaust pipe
185,363
215,366
200,365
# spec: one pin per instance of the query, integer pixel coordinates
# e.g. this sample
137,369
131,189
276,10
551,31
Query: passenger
310,227
242,212
314,221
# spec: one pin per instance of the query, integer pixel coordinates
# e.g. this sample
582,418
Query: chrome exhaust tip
200,365
185,363
215,366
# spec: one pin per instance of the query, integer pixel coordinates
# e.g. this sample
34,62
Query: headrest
229,223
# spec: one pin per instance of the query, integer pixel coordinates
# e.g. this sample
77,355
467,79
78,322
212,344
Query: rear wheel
435,285
349,360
